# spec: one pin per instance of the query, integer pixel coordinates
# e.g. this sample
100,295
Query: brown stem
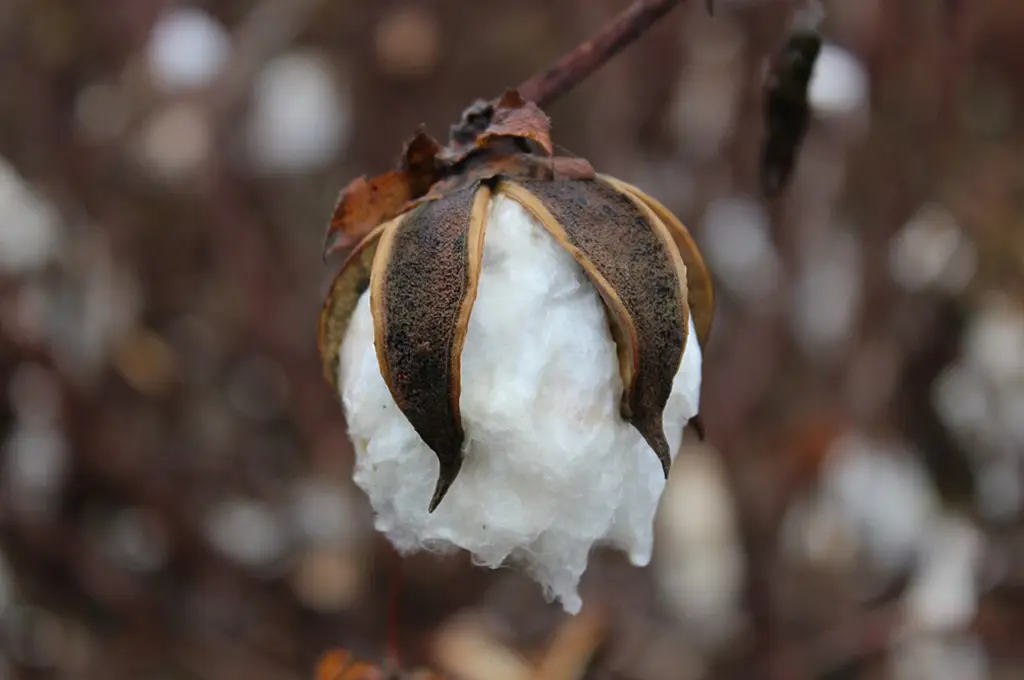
573,68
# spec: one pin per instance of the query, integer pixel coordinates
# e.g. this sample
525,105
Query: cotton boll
739,248
882,495
827,293
248,532
994,342
944,592
29,225
300,117
946,657
551,467
700,563
839,84
187,49
932,251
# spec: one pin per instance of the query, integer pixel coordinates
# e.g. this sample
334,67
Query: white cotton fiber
551,468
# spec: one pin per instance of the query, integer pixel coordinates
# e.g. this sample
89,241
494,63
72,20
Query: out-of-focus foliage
175,498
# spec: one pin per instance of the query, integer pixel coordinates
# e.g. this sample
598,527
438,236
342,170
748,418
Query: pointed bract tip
666,462
659,444
446,476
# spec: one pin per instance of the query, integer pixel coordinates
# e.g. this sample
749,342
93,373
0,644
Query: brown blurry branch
572,69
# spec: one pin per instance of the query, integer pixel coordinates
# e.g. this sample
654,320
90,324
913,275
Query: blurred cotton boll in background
187,49
839,85
943,595
551,466
873,507
248,532
931,251
739,248
704,108
994,343
699,560
28,225
300,118
827,295
176,141
408,43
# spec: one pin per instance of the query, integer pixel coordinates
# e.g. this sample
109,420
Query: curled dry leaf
485,125
366,203
519,119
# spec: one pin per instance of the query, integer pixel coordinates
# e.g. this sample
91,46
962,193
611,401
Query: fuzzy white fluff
551,468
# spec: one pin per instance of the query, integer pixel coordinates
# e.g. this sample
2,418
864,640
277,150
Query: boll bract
516,341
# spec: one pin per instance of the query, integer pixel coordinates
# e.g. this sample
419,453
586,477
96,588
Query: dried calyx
415,239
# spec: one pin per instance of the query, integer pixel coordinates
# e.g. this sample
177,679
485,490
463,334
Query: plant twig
573,68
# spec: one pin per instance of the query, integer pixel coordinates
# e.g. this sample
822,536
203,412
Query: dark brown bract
416,237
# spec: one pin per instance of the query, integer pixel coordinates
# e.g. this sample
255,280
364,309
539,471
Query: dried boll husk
551,385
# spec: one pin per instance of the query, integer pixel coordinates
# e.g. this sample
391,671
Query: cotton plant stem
394,653
569,71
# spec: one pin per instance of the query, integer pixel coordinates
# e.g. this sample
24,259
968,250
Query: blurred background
175,494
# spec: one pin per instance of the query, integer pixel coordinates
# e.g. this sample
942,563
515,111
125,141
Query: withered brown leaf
365,203
485,125
339,664
515,117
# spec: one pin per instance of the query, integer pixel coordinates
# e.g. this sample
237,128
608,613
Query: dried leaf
485,125
339,665
514,117
419,161
332,664
510,99
366,203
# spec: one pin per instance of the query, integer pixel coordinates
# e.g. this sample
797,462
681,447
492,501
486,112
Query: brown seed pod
420,233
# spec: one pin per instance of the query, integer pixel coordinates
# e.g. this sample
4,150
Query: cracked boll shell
551,468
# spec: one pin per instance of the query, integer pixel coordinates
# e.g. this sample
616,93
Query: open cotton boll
551,468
